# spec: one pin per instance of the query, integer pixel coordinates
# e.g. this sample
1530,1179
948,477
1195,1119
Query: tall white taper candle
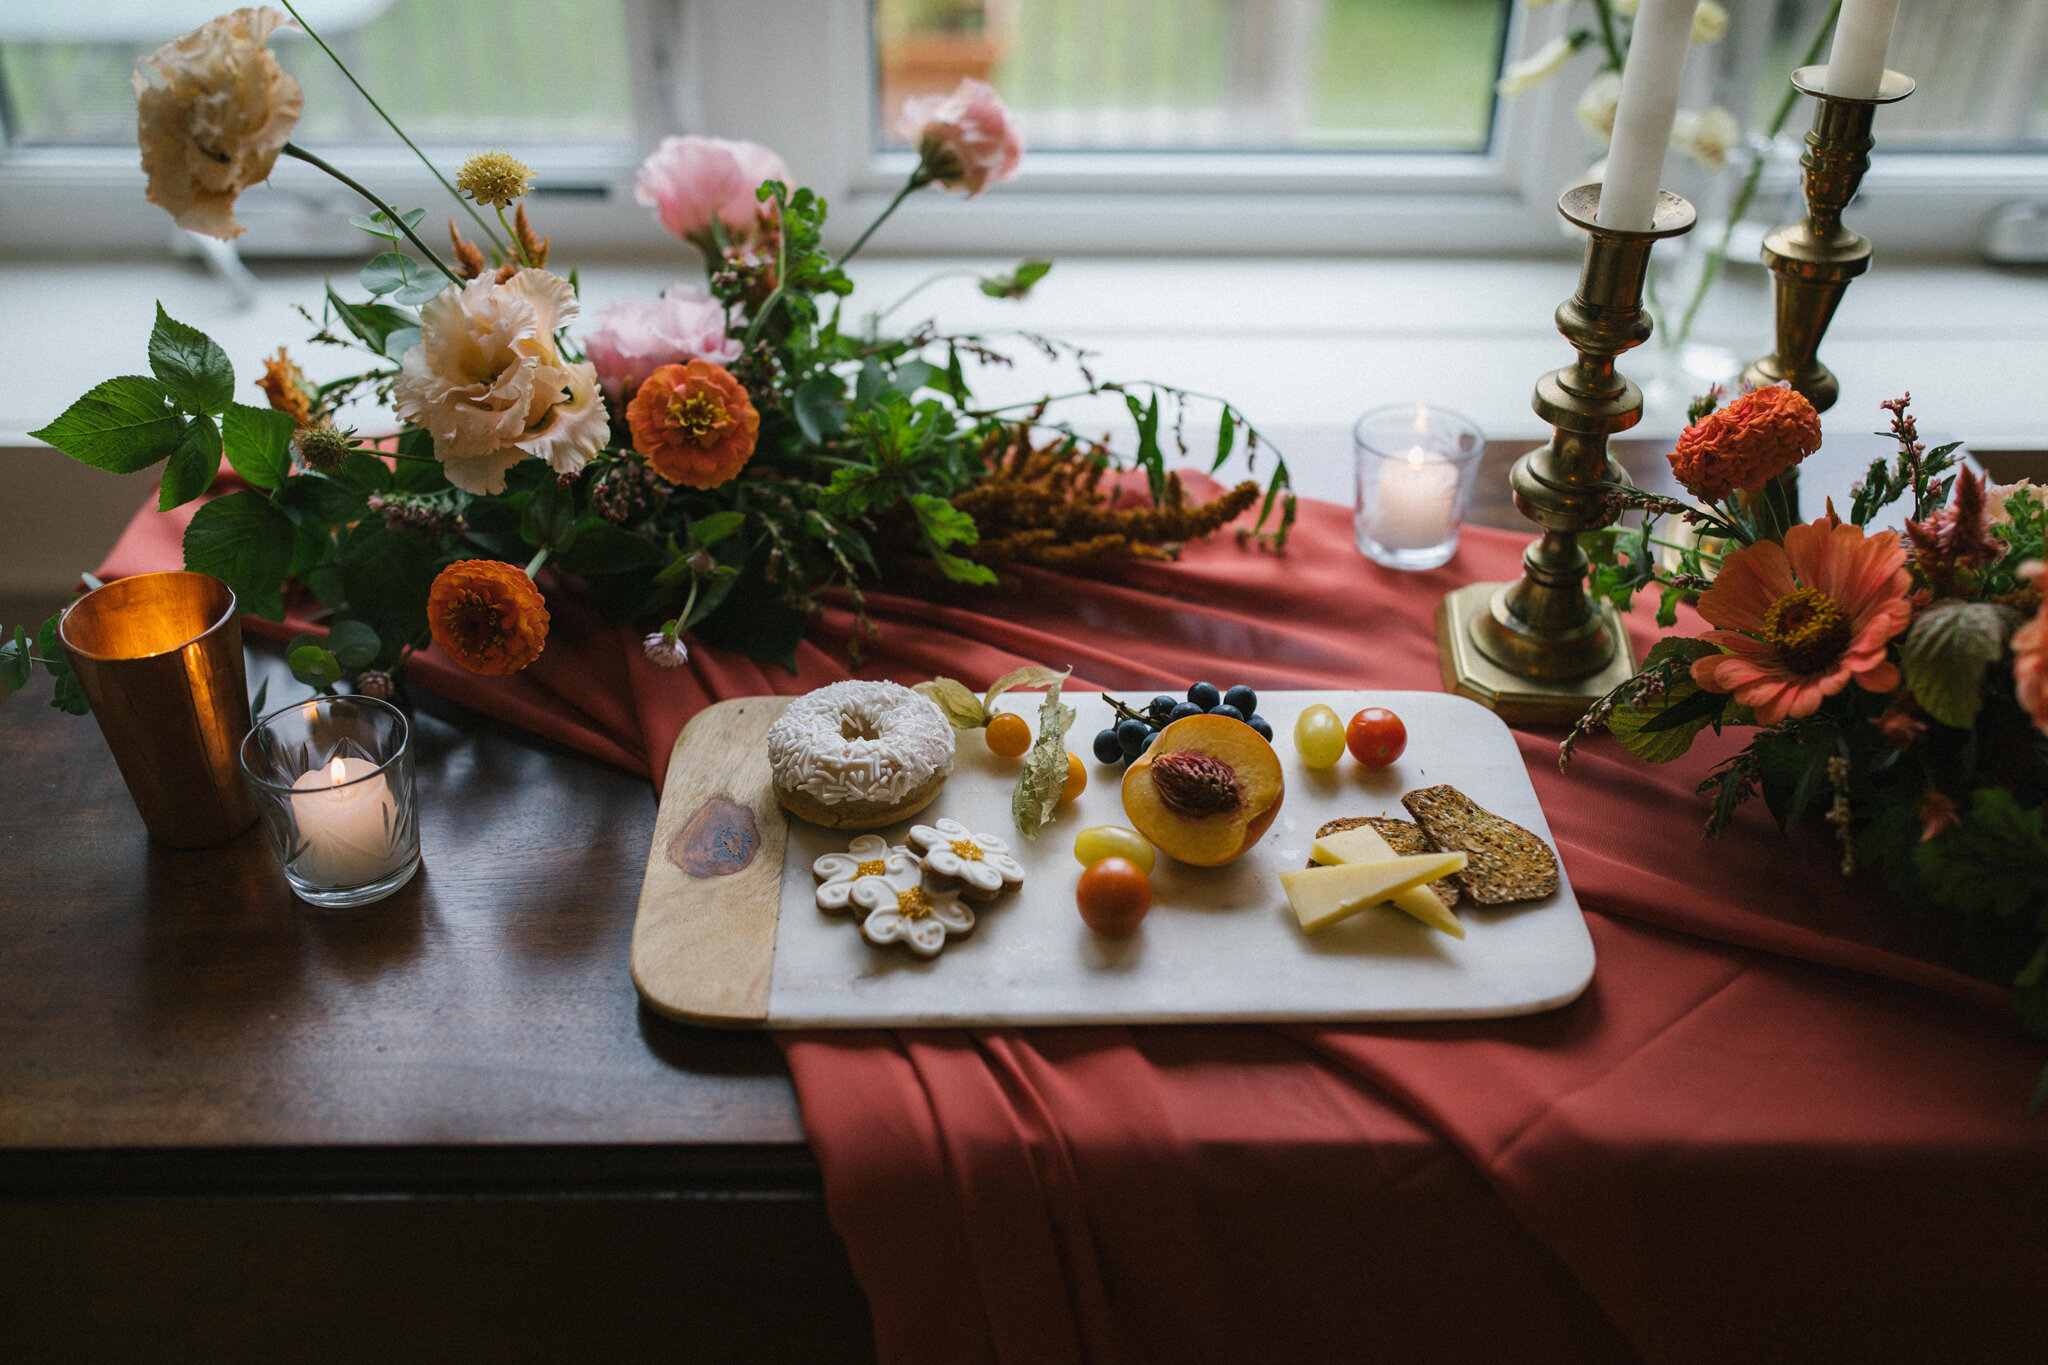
1856,62
1642,120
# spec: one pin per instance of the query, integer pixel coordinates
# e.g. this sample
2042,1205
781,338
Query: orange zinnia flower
487,616
2030,657
1746,444
1802,619
694,423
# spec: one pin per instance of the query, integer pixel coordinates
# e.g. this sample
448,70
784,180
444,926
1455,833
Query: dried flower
375,682
469,259
1801,620
694,424
665,648
692,182
966,140
1746,444
487,616
532,245
323,448
1899,727
284,384
213,110
494,178
1937,814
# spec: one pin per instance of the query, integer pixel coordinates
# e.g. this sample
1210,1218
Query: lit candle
345,825
1856,61
1642,118
1418,496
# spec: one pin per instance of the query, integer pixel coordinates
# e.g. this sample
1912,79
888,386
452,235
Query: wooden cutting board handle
704,940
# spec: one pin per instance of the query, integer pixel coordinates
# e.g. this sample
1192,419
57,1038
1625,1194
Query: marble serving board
729,933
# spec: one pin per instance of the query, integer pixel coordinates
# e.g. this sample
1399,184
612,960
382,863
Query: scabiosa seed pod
323,448
375,682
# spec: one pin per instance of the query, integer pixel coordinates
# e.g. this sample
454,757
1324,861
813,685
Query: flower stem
1615,59
390,211
918,180
781,277
393,125
540,557
917,289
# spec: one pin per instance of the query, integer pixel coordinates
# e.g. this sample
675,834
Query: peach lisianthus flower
487,616
966,140
694,423
1746,444
635,337
690,182
213,110
489,384
1803,619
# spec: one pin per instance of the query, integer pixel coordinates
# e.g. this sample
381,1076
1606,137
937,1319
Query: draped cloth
1775,1127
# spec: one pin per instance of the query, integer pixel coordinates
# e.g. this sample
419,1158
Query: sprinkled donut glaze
859,741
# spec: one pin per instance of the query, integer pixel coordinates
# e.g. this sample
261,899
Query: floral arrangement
1895,685
709,463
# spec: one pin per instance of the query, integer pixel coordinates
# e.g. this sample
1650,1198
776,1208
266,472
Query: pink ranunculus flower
966,139
635,337
690,181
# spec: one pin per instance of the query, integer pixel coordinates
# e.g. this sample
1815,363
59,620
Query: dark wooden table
235,1127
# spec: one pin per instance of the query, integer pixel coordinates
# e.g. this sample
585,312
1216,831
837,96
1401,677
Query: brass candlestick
1813,261
1540,650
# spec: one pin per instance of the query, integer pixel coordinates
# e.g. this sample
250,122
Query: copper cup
159,656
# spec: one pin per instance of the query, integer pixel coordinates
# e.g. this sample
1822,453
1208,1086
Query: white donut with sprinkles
859,755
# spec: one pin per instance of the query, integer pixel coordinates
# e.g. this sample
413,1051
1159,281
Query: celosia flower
213,109
635,337
1937,815
1707,136
1536,68
1803,619
489,384
487,616
966,140
2030,657
494,178
1746,444
694,423
691,181
284,384
665,648
1596,104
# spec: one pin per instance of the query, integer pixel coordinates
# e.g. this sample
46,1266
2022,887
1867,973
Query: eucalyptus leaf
314,666
353,644
1037,794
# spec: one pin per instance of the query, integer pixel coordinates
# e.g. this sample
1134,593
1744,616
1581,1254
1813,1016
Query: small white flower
1709,23
1596,104
1536,68
666,650
1707,136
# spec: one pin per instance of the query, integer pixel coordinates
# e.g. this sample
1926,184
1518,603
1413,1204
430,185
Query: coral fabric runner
1773,1128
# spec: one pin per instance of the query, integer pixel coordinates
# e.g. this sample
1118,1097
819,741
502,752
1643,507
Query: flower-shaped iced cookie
869,856
980,865
900,906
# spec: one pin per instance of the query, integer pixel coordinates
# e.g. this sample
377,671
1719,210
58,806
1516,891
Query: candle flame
1416,455
336,773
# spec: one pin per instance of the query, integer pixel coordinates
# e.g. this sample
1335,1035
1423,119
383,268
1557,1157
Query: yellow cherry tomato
1077,777
1319,737
1097,842
1008,735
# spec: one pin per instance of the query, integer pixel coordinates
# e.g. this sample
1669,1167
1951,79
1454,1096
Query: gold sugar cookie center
914,903
967,849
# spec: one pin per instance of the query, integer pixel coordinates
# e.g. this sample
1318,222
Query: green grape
1097,842
1319,737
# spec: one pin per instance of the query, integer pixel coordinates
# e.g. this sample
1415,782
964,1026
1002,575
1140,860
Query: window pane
464,72
1208,74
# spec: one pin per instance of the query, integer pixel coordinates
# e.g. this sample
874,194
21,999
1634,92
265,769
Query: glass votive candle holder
334,783
1415,470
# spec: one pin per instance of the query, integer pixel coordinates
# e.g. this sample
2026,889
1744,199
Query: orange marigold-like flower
2030,656
1802,619
487,616
284,384
694,423
1746,444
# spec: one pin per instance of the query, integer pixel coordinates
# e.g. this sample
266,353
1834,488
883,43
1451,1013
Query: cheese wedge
1321,896
1366,845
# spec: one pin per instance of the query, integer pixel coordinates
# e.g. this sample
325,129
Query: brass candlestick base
1540,649
1812,262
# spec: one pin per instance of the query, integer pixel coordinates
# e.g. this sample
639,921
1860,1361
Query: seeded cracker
1405,839
1505,862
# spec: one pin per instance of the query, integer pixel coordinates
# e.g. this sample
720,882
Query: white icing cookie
980,865
868,856
900,907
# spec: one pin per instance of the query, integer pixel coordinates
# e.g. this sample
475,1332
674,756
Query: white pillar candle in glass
345,824
1862,34
1418,500
1415,470
1643,117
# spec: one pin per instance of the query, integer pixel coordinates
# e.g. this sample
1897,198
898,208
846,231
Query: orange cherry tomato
1114,895
1376,737
1077,777
1007,735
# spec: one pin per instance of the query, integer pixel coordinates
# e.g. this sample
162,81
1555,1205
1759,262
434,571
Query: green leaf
379,224
314,666
16,661
1150,457
123,425
353,644
1017,284
50,645
1946,652
69,696
262,695
390,272
245,541
550,517
1037,794
191,367
373,323
1661,729
602,548
819,406
385,576
259,443
193,465
330,501
708,531
1995,860
1226,439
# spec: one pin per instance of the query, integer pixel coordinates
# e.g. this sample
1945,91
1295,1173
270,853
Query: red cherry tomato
1114,895
1376,737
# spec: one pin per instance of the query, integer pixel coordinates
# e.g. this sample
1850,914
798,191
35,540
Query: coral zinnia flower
487,616
694,423
1746,444
1804,618
2030,657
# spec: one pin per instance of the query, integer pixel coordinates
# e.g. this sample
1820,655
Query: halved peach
1205,791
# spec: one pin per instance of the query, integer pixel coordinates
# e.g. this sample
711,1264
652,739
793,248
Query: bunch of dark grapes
1135,730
